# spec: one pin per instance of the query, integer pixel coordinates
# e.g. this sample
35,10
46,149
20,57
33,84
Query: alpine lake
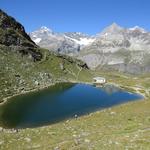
59,102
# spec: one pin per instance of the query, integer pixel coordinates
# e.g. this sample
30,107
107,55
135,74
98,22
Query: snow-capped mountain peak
81,41
79,38
110,39
45,29
114,27
41,34
62,42
138,28
111,30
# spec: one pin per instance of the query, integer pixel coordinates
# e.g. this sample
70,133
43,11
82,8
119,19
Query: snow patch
37,40
45,29
82,41
34,36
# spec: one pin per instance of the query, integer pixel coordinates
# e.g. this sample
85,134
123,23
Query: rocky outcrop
13,35
72,60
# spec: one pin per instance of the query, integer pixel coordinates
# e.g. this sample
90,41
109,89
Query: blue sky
89,16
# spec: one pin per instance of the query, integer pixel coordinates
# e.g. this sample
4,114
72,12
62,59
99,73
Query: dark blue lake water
60,102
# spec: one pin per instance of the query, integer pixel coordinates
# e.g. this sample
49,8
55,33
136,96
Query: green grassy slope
24,66
19,73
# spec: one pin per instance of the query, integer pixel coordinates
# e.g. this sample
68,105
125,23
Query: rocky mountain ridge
111,38
123,49
115,36
13,35
66,43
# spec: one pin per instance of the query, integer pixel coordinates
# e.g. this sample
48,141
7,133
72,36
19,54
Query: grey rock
125,50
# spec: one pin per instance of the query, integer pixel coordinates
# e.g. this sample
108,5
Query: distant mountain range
110,39
122,49
65,43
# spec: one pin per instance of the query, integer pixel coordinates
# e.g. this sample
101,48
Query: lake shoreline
129,89
65,97
4,100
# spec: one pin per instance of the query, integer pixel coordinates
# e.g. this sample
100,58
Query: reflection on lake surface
59,102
